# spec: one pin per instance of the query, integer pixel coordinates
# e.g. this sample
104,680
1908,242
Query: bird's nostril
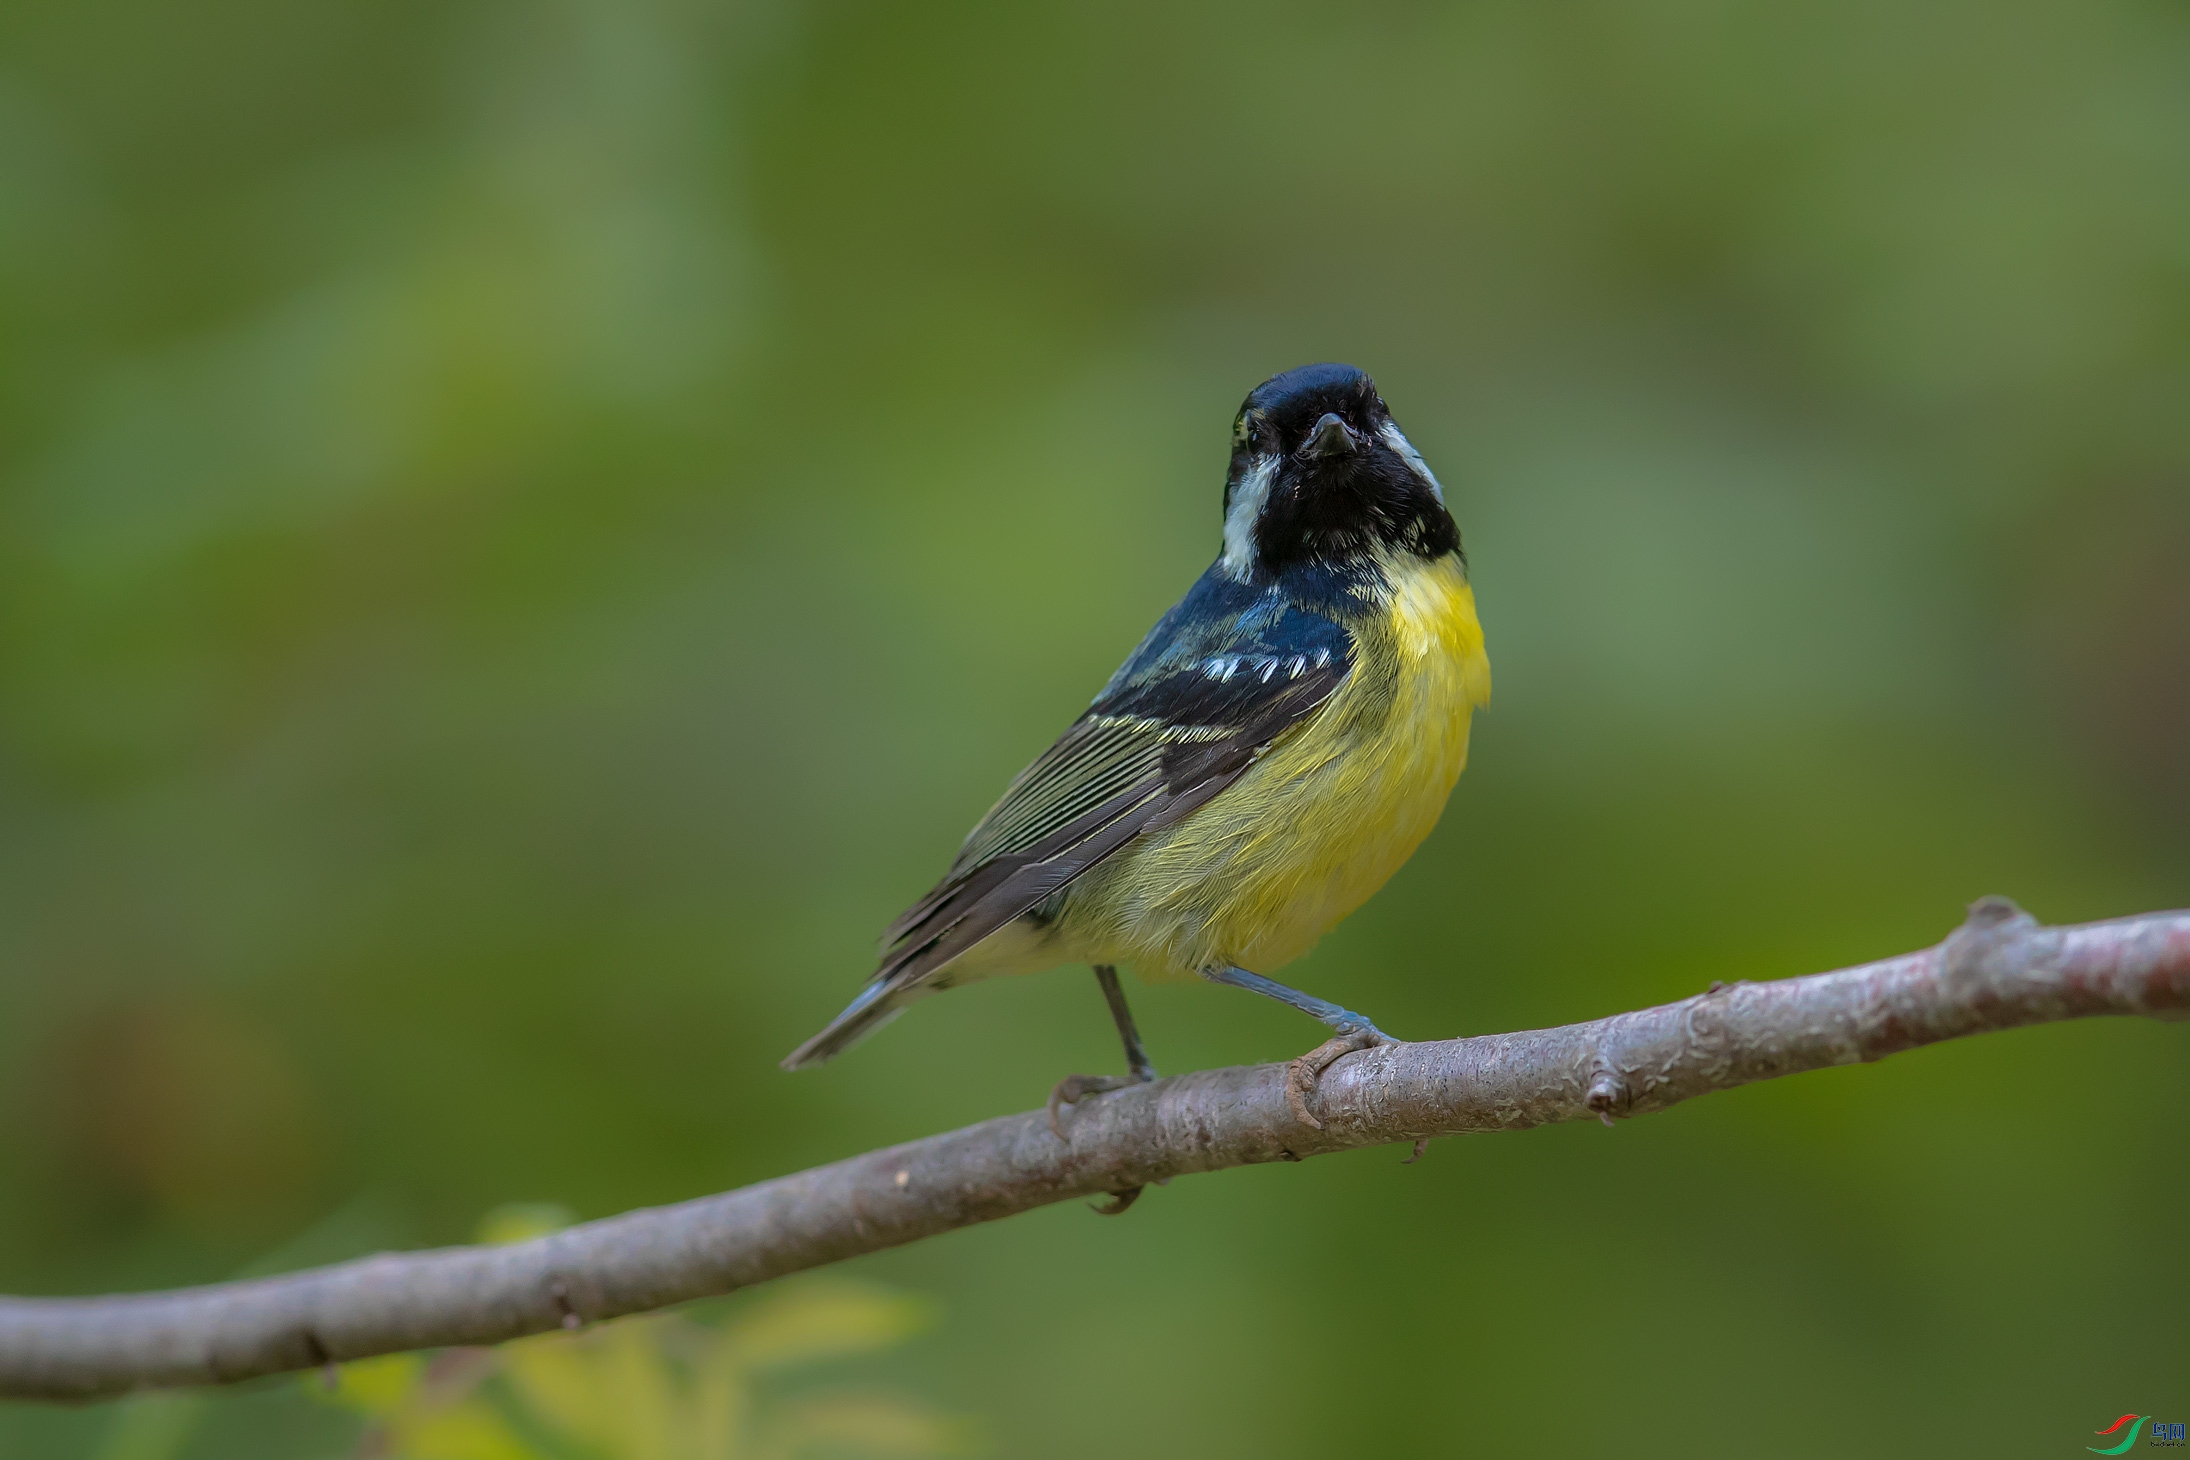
1331,437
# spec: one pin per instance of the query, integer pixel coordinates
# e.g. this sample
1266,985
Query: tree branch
1998,970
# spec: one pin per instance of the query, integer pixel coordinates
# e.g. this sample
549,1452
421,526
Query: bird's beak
1331,437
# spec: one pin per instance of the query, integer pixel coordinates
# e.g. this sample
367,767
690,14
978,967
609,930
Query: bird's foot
1301,1075
1074,1088
1070,1091
1119,1201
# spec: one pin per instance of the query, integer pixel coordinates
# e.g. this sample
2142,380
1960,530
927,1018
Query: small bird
1278,745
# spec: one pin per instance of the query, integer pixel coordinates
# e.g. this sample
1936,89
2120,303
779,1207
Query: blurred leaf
523,1221
658,1387
872,1425
465,1431
152,1426
561,1377
822,1318
380,1387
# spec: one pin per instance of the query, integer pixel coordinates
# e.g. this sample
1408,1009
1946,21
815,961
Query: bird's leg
1073,1088
1350,1032
1136,1058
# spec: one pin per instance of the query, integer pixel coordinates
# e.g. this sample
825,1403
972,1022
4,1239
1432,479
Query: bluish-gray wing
1227,671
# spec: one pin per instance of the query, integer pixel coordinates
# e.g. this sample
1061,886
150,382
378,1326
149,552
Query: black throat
1349,507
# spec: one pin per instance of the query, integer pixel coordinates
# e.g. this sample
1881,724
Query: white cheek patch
1239,523
1397,441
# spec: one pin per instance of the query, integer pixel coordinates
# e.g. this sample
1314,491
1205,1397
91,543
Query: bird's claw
1119,1201
1074,1088
1301,1075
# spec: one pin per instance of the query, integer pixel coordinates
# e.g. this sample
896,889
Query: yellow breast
1317,825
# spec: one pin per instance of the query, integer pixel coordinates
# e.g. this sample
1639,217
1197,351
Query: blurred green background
528,532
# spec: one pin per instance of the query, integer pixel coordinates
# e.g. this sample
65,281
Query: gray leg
1351,1031
1074,1088
1136,1058
1344,1021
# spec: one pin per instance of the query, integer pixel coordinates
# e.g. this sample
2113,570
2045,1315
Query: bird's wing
1225,672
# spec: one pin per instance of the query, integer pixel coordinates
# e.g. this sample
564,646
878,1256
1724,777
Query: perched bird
1278,745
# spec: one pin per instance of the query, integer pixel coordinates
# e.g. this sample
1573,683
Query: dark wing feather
1227,671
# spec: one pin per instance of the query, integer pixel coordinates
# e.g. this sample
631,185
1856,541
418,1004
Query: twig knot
1607,1093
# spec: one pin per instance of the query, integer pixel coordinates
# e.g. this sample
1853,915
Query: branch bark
2000,969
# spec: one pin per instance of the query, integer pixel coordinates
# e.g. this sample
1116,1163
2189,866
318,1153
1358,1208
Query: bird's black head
1321,472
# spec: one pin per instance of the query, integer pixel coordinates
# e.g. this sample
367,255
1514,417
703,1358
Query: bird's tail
878,1003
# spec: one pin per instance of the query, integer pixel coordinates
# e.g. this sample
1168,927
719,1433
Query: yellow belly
1317,825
